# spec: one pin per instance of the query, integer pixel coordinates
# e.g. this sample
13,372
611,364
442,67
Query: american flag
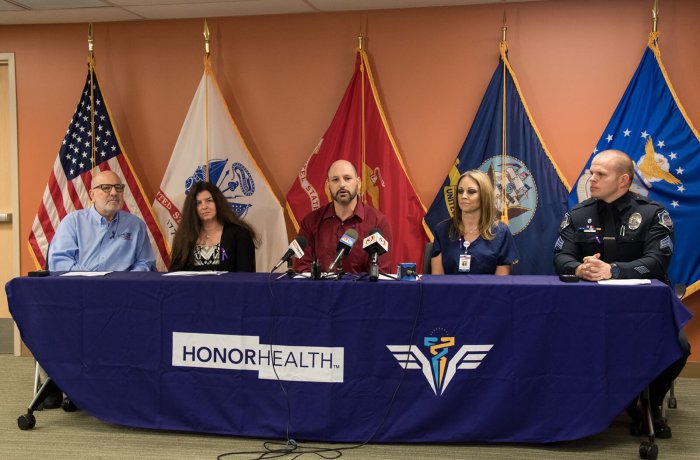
70,179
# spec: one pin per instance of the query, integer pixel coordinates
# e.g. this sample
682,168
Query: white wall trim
9,60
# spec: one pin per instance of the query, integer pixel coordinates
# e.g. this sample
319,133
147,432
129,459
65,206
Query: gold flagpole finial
91,41
364,26
504,29
655,17
206,38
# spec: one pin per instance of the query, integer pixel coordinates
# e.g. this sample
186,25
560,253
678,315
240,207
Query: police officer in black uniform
618,234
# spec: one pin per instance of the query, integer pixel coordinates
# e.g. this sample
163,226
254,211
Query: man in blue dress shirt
102,237
99,238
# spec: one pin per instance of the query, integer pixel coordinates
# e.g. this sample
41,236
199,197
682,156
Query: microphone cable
291,447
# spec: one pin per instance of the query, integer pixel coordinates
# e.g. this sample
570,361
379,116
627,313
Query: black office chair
679,290
427,270
41,391
648,449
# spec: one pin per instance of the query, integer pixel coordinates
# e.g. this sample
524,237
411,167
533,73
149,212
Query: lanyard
465,244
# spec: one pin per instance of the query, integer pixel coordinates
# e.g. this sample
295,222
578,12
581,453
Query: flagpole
91,67
206,100
654,34
504,50
363,145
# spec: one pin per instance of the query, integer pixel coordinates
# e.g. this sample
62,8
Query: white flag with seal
231,168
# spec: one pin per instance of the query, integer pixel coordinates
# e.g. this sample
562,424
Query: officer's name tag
465,262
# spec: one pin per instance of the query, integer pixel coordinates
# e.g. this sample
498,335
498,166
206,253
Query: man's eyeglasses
108,187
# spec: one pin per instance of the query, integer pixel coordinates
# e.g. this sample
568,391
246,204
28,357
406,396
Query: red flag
69,182
360,134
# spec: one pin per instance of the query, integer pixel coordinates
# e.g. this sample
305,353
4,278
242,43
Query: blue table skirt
485,358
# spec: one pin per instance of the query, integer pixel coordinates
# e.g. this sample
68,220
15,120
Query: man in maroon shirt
323,227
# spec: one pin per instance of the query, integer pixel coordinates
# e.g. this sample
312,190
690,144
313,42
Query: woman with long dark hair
211,236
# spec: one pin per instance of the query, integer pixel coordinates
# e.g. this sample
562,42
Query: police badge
635,221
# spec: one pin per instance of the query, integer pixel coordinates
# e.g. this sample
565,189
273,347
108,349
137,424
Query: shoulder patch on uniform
559,244
665,219
666,243
565,222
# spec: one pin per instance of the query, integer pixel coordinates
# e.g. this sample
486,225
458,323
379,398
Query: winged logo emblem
439,370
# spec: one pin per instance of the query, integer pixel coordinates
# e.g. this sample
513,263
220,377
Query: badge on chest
465,260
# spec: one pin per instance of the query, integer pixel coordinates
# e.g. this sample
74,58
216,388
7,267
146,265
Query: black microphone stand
290,269
374,267
339,272
289,273
315,269
339,268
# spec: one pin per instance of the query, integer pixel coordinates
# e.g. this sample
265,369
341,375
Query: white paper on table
85,273
396,277
195,273
629,282
388,277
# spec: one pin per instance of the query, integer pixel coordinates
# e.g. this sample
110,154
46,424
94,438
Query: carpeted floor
62,435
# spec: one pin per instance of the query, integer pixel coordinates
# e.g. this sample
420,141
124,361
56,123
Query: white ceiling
82,11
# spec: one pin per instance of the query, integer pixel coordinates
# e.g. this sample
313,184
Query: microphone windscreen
347,240
301,241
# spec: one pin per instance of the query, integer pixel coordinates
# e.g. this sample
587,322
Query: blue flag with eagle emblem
534,191
651,126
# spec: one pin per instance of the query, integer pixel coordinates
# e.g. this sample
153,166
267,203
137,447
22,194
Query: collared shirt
486,255
85,241
322,229
643,236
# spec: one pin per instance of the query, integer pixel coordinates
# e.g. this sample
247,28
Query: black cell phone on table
569,278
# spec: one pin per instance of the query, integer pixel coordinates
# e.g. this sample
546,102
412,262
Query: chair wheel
648,450
26,421
68,406
672,403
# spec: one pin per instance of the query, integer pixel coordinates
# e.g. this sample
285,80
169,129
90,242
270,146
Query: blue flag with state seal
530,190
651,126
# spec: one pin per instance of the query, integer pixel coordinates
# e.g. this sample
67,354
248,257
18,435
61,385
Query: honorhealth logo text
245,352
439,369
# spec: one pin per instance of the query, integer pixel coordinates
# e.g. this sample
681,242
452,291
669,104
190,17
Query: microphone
296,249
344,246
375,245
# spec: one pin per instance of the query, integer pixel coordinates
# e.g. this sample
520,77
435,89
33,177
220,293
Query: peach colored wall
283,77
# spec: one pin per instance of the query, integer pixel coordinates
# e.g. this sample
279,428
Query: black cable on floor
291,448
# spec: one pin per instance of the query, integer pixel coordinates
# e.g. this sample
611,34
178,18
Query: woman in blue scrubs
473,241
